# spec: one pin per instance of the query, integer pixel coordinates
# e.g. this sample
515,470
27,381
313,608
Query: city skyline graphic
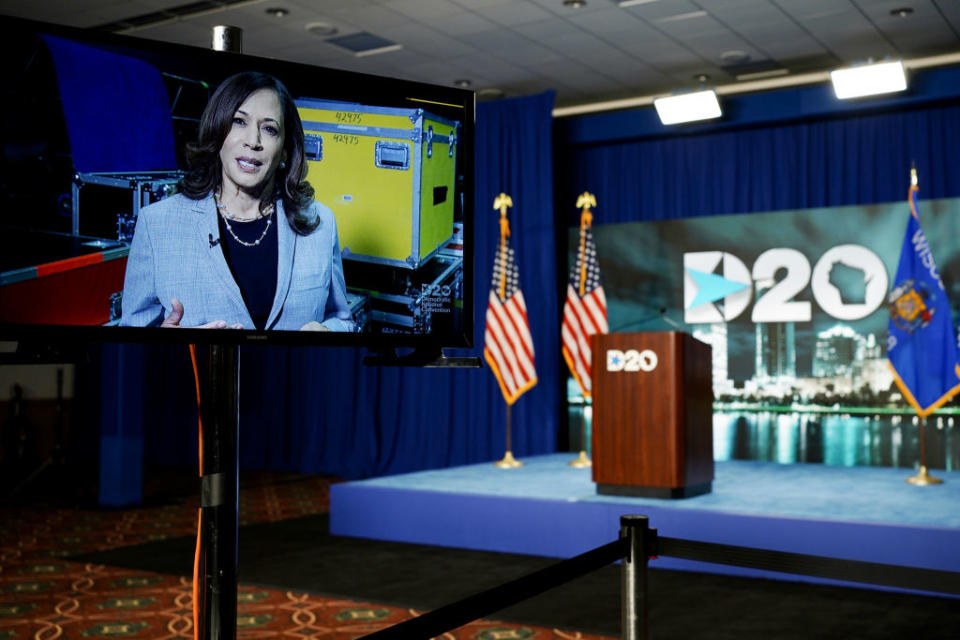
792,302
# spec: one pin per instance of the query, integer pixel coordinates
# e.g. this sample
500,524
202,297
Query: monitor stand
216,570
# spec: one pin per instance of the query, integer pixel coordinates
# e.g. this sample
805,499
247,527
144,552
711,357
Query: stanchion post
633,572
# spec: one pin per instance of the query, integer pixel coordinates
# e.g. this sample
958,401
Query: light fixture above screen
869,80
688,107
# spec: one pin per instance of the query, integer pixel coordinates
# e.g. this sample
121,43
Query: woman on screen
244,245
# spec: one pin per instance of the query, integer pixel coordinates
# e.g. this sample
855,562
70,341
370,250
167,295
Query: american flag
508,346
585,311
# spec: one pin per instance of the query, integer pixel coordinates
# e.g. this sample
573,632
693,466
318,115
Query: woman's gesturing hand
176,314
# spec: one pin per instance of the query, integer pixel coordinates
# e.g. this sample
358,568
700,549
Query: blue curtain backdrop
829,162
320,410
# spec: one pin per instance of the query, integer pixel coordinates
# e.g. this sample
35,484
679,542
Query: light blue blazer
175,253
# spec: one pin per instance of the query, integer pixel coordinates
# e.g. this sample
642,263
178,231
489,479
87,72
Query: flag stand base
922,479
582,461
508,462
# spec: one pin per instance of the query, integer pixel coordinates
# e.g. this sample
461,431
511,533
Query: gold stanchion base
582,461
508,462
923,478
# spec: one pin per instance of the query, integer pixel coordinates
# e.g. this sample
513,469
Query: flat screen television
110,228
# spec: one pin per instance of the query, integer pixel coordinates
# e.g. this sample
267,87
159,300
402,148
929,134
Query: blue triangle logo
711,287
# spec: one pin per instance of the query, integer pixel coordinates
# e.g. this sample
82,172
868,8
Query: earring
283,165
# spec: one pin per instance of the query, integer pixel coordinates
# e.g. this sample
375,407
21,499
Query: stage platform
548,508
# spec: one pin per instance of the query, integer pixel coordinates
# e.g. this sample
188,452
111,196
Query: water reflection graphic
834,439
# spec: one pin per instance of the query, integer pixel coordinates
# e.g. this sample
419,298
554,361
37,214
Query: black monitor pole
216,571
215,609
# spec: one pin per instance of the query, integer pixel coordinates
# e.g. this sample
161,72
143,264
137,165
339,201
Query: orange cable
196,555
196,582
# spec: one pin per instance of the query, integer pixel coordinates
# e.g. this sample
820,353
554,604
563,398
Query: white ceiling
601,51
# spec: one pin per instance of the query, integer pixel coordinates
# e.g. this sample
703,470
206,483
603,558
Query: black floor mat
301,555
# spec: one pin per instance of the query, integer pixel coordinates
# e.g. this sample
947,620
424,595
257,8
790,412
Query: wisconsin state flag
921,342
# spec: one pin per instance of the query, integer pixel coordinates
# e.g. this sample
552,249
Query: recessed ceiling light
575,4
902,12
321,29
462,83
277,12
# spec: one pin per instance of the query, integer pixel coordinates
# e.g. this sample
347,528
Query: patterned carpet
43,596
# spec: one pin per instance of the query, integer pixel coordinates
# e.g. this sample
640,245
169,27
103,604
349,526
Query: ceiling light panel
869,80
688,107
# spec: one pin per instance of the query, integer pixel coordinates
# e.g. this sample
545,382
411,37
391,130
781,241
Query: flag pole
583,460
508,461
501,203
584,201
923,478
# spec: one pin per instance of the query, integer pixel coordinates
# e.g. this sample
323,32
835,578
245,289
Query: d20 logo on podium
631,360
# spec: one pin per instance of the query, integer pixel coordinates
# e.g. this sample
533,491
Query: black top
254,268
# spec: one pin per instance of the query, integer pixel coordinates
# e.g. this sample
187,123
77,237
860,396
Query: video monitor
158,192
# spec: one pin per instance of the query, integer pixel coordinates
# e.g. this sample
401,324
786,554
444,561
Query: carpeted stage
548,508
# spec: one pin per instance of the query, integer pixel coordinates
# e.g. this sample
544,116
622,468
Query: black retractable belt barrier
459,613
637,543
886,575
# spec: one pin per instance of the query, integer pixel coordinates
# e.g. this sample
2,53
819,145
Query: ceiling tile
461,23
178,32
552,33
516,13
421,38
949,9
663,9
496,40
480,5
924,30
425,10
642,49
614,18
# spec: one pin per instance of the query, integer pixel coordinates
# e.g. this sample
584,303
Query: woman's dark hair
203,157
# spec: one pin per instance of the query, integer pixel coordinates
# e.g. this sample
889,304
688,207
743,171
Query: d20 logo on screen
631,360
849,282
708,297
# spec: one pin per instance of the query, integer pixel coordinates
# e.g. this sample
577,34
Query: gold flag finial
584,201
913,177
501,202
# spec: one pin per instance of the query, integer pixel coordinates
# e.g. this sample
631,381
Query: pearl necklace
227,217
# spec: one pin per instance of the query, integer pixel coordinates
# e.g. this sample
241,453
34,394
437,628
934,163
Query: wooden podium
652,415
